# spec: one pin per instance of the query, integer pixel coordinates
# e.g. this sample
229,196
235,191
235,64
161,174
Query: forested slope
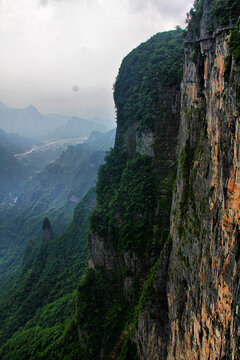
36,310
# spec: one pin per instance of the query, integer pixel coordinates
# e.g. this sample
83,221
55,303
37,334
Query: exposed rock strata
203,291
203,272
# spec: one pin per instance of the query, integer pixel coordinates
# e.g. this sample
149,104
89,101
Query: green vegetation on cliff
159,61
234,42
125,204
226,12
222,13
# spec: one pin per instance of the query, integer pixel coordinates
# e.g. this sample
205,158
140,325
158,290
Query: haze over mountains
29,141
40,179
30,123
30,191
15,143
12,174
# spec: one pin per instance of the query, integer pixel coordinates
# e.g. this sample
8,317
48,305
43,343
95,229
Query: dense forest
36,310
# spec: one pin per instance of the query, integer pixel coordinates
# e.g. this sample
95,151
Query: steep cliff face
203,287
130,225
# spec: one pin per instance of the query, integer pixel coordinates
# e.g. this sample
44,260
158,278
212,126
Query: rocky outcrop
47,229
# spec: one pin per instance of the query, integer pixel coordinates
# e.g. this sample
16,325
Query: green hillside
36,310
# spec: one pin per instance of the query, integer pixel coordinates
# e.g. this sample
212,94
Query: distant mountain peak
31,123
32,108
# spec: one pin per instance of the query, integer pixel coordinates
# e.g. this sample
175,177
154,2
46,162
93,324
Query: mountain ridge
30,123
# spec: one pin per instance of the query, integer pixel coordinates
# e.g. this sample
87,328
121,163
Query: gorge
162,280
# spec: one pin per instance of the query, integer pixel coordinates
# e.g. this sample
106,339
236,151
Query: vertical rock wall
203,286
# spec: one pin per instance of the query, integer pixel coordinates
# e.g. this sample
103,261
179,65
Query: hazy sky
49,46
